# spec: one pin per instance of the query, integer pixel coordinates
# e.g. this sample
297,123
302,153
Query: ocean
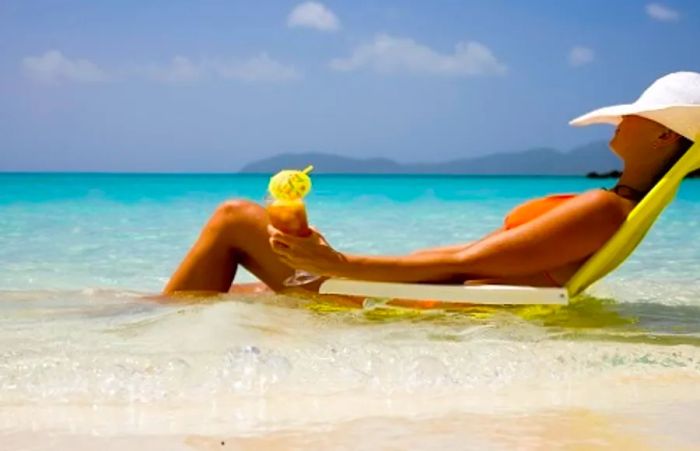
88,359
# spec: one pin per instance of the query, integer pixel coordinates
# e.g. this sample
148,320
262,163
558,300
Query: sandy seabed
638,414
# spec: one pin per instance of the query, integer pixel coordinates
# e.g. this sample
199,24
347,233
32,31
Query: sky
207,86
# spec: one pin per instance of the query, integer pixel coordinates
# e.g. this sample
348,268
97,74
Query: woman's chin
615,148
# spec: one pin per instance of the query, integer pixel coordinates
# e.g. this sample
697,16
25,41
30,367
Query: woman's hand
311,253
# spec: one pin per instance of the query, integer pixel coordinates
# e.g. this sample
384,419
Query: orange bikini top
531,209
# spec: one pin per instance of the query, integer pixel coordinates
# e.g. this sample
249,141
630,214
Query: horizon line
316,174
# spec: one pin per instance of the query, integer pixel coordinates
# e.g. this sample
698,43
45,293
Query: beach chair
606,259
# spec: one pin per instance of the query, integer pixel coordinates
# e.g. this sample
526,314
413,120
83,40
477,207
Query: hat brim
687,117
606,115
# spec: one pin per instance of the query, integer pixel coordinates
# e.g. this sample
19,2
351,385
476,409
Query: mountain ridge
592,157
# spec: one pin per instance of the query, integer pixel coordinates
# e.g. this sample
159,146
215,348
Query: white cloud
388,54
313,15
52,68
259,68
580,56
180,70
662,13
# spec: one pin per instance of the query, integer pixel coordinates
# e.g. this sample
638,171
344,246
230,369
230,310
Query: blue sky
211,85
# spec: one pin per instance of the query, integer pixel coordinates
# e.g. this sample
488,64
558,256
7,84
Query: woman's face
636,136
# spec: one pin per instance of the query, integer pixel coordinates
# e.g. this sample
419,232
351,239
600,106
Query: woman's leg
235,234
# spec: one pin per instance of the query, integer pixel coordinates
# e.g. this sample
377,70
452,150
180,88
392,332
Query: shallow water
84,353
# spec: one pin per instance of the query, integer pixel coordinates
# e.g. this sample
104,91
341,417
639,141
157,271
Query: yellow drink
286,209
287,212
289,216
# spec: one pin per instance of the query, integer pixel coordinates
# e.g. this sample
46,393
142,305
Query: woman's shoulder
607,199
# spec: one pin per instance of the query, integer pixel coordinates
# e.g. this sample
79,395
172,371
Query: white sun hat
673,101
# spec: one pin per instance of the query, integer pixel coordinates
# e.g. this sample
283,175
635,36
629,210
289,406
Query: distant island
584,160
616,174
541,161
605,175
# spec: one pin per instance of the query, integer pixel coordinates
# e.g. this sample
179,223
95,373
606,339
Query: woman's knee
238,212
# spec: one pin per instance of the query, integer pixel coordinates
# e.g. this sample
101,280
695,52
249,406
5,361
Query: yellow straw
308,169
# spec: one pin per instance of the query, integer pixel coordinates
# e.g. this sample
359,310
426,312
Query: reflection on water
585,318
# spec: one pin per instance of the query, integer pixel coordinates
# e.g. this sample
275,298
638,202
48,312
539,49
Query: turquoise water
82,350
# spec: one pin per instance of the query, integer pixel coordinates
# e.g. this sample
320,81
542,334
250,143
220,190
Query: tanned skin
558,241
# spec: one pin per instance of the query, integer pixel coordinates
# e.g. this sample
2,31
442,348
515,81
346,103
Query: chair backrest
637,224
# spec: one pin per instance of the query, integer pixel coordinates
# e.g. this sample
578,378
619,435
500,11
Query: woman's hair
682,147
684,144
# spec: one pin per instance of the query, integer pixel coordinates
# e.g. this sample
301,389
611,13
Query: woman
542,243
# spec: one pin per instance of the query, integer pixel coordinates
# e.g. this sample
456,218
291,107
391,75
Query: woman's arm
569,232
